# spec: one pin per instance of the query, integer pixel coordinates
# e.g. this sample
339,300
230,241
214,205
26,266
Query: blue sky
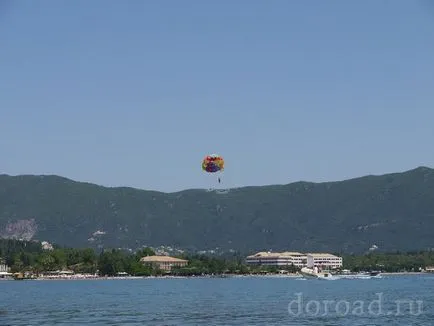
136,93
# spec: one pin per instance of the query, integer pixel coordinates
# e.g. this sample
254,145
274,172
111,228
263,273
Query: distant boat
360,275
345,274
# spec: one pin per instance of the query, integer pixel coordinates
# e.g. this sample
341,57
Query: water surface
219,301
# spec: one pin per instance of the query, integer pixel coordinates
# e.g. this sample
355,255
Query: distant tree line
24,256
390,262
29,256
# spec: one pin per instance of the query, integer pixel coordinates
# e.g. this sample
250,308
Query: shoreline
94,277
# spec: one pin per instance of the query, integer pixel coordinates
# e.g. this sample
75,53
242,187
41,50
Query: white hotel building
277,259
297,259
323,260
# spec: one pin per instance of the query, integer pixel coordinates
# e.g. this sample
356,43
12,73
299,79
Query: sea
387,300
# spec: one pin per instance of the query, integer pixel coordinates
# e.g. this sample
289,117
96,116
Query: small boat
314,273
346,274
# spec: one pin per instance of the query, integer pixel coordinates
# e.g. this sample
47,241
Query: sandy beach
95,277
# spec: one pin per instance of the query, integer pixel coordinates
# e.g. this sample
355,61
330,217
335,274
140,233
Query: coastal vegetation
390,262
24,256
392,211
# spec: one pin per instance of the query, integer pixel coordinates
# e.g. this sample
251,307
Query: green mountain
393,212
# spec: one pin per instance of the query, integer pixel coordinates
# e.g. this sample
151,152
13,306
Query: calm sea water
213,301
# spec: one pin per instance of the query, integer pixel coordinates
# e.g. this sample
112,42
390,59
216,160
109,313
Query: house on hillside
46,245
165,263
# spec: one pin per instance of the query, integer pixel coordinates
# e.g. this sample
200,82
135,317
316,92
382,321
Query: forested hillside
393,212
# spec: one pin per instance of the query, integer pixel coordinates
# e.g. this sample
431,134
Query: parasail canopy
213,163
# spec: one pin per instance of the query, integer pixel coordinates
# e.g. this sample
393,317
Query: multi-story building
165,263
277,259
4,269
297,259
323,260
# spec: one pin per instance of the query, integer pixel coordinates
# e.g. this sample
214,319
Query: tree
46,262
111,262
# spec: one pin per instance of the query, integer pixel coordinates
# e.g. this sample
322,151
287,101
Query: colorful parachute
213,163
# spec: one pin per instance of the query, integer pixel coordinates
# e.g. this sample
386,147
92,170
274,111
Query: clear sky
136,93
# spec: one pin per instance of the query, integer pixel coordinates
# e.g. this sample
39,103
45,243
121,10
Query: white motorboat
314,273
357,275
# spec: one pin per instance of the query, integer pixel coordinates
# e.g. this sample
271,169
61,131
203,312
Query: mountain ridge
418,168
392,211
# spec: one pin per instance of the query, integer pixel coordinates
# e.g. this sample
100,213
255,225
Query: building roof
322,255
162,259
289,254
285,254
5,273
